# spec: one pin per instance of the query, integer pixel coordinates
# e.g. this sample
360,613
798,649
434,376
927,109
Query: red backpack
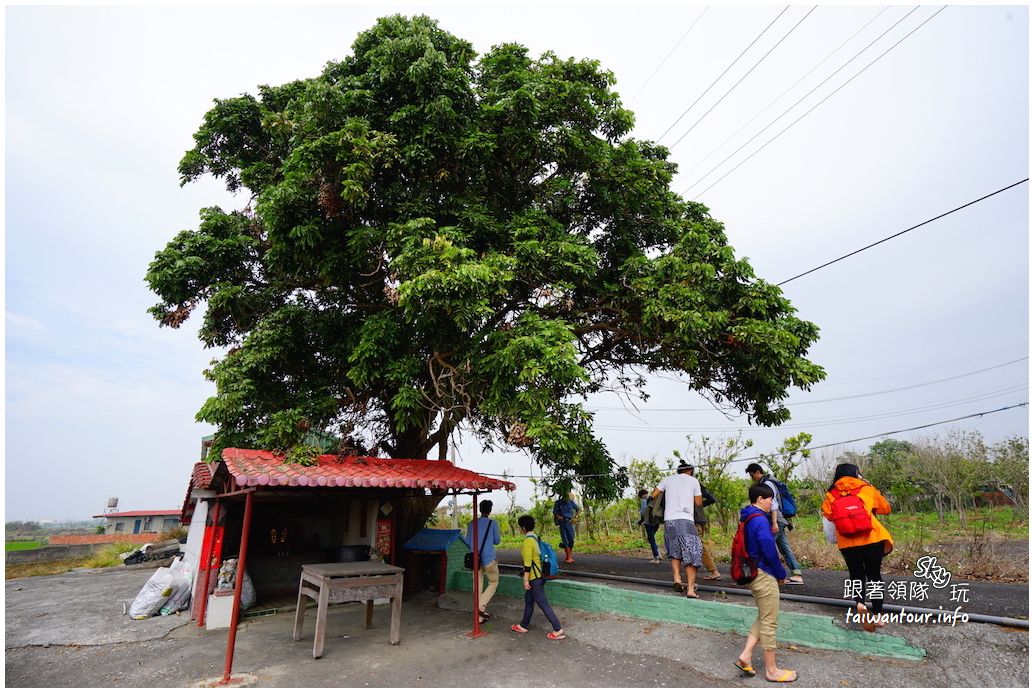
850,515
744,567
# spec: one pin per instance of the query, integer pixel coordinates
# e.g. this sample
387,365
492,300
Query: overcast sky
101,103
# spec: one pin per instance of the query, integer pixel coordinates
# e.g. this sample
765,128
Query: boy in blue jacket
761,546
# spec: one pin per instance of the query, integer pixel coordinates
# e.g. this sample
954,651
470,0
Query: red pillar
239,583
206,559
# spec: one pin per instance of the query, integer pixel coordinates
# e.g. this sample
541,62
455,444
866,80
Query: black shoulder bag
468,558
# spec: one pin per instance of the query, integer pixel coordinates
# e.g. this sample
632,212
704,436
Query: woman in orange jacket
863,551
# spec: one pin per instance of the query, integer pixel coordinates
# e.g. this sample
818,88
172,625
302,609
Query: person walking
779,524
487,563
681,499
651,529
700,520
765,586
565,512
863,551
534,583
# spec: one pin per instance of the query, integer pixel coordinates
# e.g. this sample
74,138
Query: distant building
141,521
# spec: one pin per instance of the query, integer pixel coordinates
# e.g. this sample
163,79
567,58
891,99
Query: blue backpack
787,503
550,564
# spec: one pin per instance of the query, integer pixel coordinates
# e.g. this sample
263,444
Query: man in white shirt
682,497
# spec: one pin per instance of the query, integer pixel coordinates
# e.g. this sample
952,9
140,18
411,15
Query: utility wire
788,89
900,233
796,103
723,74
812,447
846,397
970,399
745,75
677,44
826,98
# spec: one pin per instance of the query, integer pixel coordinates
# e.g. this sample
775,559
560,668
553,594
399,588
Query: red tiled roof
200,477
263,468
141,513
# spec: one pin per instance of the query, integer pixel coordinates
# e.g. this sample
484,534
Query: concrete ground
68,630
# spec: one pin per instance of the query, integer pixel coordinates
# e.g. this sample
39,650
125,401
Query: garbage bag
153,595
830,530
181,582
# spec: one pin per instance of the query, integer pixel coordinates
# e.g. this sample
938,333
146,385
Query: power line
788,89
745,75
813,90
817,447
969,399
899,233
677,44
723,74
826,98
846,397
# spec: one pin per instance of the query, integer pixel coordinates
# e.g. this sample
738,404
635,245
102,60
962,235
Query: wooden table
337,583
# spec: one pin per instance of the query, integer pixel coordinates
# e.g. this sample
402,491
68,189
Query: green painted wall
799,629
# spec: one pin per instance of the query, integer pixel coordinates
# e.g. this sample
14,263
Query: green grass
22,545
974,550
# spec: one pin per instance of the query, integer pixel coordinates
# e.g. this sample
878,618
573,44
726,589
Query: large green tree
435,239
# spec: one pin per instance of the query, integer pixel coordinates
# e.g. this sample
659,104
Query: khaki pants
765,589
491,572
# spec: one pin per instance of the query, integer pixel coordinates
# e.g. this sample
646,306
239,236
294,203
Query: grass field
22,545
992,545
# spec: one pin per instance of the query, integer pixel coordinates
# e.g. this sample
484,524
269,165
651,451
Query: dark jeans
537,595
651,536
567,534
863,563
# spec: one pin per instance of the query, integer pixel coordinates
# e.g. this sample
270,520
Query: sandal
517,628
795,580
789,676
679,587
485,615
713,577
692,596
747,669
556,635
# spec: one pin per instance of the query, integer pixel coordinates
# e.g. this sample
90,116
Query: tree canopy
436,239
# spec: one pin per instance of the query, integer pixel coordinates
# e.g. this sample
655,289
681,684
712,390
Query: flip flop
679,586
517,628
713,579
747,669
789,676
692,596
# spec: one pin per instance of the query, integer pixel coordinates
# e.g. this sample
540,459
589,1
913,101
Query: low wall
47,554
70,539
801,629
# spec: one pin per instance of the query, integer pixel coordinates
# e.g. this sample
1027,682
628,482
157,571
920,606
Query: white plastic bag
155,592
830,530
180,597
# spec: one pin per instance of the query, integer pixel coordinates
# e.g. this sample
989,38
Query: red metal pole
236,612
476,633
207,559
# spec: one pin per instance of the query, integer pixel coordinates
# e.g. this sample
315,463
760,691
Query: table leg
369,613
299,616
396,614
321,621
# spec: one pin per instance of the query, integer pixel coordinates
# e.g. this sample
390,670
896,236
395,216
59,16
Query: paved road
995,599
69,631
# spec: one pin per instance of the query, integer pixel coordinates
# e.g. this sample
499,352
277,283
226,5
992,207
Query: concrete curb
800,629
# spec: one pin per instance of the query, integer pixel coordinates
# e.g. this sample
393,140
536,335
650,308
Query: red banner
383,540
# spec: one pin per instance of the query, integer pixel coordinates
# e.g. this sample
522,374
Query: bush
109,555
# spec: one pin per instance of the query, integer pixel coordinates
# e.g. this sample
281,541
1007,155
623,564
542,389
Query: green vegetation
22,545
435,238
